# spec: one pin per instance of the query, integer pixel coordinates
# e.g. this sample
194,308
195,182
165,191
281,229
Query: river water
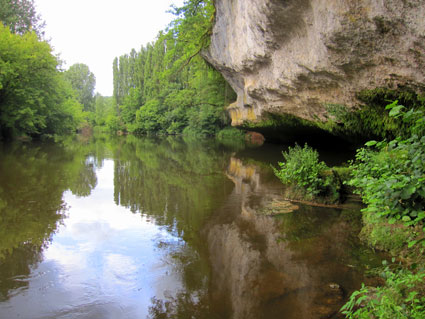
167,228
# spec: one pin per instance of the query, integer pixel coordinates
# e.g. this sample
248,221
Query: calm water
166,228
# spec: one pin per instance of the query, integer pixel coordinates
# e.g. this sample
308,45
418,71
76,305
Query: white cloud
94,32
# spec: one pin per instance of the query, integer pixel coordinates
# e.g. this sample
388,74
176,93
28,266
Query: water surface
166,228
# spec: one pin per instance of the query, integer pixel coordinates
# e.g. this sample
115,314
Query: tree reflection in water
33,179
230,255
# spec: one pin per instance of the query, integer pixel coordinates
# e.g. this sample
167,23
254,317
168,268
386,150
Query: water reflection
297,265
31,208
163,228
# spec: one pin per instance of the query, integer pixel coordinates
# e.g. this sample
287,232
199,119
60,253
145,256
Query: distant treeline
167,87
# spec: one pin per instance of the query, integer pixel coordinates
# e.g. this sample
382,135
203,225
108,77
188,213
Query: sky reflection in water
104,262
164,228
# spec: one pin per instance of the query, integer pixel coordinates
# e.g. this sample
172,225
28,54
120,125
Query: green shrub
113,123
378,233
231,133
309,177
204,120
402,297
390,176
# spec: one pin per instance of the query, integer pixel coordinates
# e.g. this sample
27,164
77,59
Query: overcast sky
94,32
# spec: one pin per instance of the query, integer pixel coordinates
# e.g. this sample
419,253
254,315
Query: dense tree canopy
83,82
34,97
20,16
166,86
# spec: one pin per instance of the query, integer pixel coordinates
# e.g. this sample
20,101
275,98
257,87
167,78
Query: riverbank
389,177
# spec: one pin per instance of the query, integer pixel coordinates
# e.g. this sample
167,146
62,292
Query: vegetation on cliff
390,176
371,119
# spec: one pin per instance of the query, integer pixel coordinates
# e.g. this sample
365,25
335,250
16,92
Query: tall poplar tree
167,87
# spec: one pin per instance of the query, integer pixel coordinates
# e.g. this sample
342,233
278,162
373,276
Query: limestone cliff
296,56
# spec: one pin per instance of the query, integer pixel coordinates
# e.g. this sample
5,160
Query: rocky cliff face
296,56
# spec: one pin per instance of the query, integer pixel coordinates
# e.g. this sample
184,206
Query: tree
83,82
167,85
20,16
34,98
103,107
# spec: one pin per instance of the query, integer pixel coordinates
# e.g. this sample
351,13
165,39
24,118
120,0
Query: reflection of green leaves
33,181
152,173
30,198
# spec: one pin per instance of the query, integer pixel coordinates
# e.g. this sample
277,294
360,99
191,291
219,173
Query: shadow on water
196,229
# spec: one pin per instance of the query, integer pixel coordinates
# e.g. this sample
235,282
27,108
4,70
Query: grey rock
296,56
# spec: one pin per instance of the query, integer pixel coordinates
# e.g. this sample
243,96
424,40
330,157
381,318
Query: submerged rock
276,207
254,138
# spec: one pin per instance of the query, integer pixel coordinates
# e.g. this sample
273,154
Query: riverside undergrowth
390,177
402,297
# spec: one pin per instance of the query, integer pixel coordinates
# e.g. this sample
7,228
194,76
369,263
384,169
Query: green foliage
390,176
113,123
131,104
20,16
34,98
371,120
148,117
309,176
394,238
402,297
104,106
205,120
83,83
231,133
166,87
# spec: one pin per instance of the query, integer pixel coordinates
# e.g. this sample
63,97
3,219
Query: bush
204,120
402,297
308,176
231,133
148,119
390,176
113,123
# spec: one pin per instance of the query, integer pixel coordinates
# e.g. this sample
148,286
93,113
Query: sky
94,32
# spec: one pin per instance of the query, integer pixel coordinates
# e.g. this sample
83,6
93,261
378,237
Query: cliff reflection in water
301,263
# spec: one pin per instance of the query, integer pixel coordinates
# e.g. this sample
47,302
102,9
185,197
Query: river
132,227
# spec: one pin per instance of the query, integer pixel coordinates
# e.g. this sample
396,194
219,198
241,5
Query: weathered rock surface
295,56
